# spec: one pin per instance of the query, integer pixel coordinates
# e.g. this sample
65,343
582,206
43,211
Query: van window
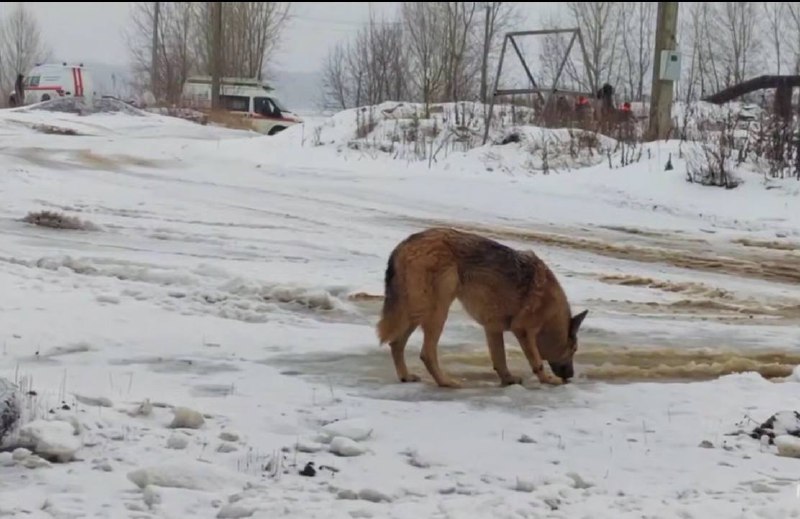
265,106
31,81
235,103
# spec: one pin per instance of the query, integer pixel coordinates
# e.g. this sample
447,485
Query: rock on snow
342,446
788,446
51,439
355,429
186,418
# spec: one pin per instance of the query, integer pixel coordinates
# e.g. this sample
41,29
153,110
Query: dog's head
559,349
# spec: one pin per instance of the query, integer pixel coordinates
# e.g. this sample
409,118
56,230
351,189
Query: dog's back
427,270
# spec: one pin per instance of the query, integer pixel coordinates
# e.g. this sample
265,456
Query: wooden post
783,100
216,52
154,54
485,58
662,91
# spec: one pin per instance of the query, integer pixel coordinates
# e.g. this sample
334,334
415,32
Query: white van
50,81
247,98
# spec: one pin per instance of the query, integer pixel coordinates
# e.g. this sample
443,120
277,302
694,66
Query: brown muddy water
602,357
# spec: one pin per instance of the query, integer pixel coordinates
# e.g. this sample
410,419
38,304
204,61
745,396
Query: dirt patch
634,230
55,130
764,244
758,266
95,160
704,310
687,287
709,300
54,220
365,297
57,158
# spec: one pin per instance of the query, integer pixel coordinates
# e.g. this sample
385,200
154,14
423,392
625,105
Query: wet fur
501,288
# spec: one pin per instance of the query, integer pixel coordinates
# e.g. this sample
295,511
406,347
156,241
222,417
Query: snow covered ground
225,273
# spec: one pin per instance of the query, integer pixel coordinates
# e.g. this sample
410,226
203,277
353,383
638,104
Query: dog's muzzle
563,370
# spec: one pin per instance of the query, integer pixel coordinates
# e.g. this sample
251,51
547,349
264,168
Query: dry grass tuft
55,220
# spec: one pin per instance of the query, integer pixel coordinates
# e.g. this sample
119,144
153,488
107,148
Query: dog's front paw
549,379
450,383
510,380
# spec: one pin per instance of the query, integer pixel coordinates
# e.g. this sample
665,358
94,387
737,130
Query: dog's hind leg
432,328
398,355
433,324
497,350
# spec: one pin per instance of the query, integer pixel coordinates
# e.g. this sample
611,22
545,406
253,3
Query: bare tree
739,43
774,13
182,33
162,69
370,69
251,32
599,23
552,51
706,73
793,28
335,79
21,45
637,23
459,22
426,43
497,18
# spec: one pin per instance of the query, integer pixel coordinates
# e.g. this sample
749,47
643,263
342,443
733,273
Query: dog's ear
575,323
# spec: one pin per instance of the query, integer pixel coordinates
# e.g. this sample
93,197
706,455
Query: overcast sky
95,32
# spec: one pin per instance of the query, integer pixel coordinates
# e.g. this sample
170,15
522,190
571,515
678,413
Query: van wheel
46,97
276,129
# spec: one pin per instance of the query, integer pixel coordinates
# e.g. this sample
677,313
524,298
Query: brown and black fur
501,288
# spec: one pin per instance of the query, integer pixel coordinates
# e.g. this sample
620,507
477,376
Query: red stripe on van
80,81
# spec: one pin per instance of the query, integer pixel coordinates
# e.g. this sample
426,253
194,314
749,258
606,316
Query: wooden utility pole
154,55
663,90
485,59
216,53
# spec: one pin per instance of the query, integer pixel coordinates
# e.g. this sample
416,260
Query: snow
355,429
231,275
188,475
788,446
52,439
342,446
186,418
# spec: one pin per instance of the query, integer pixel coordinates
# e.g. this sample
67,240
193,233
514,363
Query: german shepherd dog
502,289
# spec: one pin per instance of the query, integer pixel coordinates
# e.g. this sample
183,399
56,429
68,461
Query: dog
501,288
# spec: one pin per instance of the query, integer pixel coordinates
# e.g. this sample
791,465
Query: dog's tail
393,319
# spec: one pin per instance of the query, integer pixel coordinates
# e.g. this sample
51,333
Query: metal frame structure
576,35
